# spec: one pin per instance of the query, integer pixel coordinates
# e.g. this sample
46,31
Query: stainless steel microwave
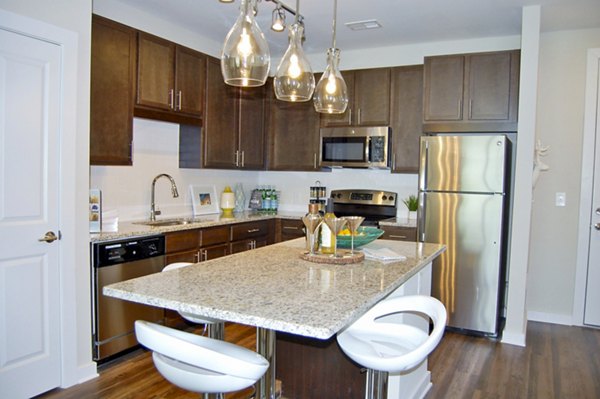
355,147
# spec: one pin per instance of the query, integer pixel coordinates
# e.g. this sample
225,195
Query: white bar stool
385,346
200,364
214,328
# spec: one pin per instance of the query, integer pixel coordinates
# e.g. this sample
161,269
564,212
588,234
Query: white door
30,95
592,292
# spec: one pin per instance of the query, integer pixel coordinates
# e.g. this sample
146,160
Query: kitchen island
273,289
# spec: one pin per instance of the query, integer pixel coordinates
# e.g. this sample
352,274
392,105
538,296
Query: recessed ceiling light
362,25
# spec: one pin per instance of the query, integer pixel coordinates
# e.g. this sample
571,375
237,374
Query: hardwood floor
558,362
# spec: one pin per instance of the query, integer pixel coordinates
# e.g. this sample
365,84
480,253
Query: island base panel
313,368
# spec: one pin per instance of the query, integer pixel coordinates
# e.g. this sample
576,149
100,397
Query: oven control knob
339,195
384,198
391,197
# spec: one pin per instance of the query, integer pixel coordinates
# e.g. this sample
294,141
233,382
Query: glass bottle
328,238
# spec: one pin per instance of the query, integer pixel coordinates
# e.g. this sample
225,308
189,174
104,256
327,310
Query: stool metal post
376,384
265,346
216,330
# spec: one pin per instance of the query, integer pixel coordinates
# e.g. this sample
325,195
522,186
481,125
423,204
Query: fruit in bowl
363,236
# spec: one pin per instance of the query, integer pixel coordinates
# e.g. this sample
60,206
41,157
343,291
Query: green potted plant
412,203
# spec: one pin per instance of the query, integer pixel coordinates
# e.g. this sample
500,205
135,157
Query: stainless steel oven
355,147
113,319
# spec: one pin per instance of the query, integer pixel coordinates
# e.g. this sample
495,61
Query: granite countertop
271,287
134,229
399,222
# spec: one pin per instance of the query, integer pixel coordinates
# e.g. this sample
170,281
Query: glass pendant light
331,93
278,19
245,59
294,80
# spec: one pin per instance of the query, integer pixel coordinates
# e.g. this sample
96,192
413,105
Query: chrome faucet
174,192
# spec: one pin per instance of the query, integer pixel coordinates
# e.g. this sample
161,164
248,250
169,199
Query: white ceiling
403,21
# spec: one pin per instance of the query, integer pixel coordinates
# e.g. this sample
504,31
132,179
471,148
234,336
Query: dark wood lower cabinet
325,371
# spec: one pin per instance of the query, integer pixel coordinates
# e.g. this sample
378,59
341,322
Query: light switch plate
561,199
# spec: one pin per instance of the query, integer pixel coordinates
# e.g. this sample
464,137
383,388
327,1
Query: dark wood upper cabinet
171,78
406,117
471,92
112,92
233,134
293,134
369,99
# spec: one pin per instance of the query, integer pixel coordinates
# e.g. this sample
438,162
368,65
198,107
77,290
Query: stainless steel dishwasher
113,319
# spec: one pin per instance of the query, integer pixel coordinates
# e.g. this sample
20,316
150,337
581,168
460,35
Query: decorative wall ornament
538,165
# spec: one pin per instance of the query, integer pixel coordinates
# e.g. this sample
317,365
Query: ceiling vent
363,25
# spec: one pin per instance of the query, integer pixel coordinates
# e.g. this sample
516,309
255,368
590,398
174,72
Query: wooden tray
346,259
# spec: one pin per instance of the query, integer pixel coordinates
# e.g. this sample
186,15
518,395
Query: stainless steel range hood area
355,147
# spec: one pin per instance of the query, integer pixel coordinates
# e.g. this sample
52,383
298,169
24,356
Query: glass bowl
365,235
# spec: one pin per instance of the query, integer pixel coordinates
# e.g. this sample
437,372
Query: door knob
597,211
49,237
597,226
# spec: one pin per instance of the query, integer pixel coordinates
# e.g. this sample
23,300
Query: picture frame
204,200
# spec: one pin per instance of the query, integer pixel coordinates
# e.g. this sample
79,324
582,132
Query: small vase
412,215
240,198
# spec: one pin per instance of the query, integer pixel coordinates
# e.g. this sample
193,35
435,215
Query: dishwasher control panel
127,250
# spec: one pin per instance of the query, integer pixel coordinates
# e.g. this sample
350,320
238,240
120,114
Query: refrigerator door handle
421,218
424,158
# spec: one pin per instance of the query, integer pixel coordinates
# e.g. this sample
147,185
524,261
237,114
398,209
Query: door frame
590,136
68,226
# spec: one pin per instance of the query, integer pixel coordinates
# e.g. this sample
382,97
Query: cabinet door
156,72
345,119
214,252
190,81
112,92
187,256
488,87
443,88
293,135
291,229
178,241
214,235
251,125
406,117
372,101
220,138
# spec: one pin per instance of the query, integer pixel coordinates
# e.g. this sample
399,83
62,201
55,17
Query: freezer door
463,163
466,278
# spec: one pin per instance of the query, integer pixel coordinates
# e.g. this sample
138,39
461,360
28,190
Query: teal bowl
365,236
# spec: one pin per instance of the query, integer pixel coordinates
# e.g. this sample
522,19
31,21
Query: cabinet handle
358,117
197,257
395,236
237,158
171,93
459,108
291,228
470,108
204,255
243,158
179,95
253,230
350,116
393,161
315,160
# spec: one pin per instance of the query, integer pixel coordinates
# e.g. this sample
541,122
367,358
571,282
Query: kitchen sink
168,222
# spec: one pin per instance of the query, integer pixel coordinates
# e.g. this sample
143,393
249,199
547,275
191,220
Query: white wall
560,110
73,15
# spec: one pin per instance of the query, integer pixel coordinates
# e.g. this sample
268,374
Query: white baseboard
513,339
551,318
87,372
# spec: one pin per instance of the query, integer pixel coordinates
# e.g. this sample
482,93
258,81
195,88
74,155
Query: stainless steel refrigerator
463,182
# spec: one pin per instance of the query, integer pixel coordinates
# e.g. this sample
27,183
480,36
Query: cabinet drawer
291,229
182,240
214,252
399,233
243,231
187,256
214,235
246,245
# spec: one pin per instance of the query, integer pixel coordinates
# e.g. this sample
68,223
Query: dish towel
382,254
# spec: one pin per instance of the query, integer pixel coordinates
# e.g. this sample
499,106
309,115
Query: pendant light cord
334,22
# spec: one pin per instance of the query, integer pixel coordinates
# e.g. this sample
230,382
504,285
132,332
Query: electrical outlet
561,199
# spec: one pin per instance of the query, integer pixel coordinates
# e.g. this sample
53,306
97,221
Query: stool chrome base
377,384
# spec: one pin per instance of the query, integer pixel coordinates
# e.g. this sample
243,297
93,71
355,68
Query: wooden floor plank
558,362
